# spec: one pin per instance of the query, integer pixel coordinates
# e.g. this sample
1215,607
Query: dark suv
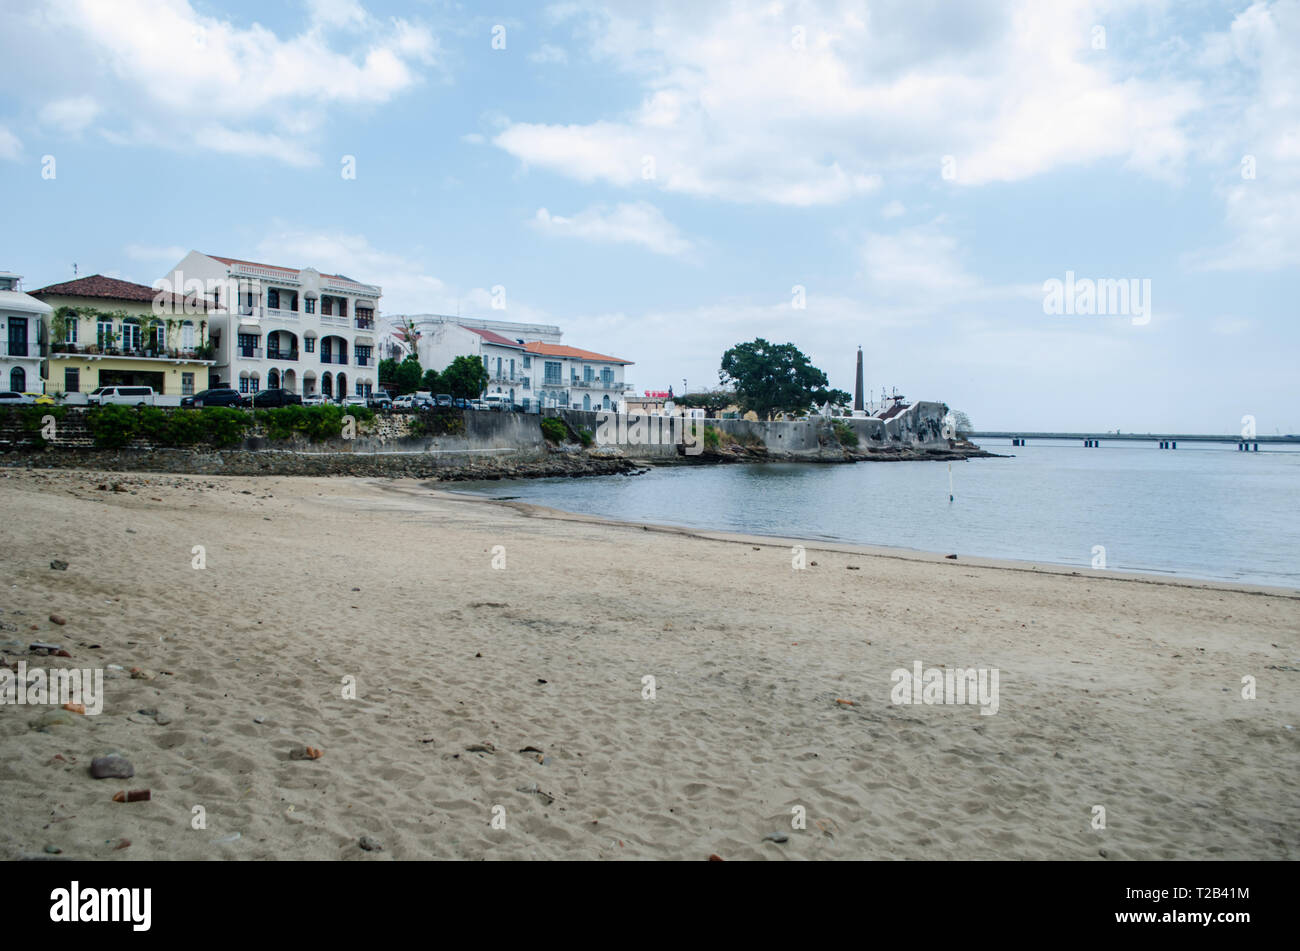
275,397
222,396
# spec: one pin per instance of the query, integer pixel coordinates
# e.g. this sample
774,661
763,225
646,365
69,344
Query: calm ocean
1206,512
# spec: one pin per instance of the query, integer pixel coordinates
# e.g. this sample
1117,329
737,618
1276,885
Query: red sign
657,394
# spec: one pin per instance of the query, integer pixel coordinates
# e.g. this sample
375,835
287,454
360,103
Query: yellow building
106,332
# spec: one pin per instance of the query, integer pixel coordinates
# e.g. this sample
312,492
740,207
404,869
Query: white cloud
733,108
180,78
153,253
70,115
1255,69
894,209
549,53
628,223
10,147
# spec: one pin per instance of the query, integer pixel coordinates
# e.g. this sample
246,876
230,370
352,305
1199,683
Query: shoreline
901,553
501,657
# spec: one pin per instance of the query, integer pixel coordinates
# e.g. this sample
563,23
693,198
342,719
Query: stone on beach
111,766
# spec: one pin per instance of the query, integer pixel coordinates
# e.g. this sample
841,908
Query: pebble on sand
59,565
369,844
112,766
58,619
305,752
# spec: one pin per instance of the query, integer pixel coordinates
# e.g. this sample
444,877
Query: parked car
354,401
402,402
496,401
313,399
276,397
41,399
443,399
478,404
11,398
379,400
124,396
217,396
460,403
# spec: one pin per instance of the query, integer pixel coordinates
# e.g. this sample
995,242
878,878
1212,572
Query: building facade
106,332
292,328
577,379
23,339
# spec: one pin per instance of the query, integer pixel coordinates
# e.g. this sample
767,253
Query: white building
294,328
23,341
577,379
525,362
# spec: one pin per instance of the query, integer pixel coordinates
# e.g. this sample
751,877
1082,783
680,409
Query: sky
666,180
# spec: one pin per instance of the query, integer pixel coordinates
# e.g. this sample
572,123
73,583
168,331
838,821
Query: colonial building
106,332
22,336
294,328
577,379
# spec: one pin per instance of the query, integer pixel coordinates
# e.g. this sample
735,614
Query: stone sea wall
492,445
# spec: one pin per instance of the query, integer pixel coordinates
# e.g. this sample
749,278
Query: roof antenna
74,269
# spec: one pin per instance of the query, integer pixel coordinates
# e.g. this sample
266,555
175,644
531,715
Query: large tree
465,378
407,377
775,378
712,402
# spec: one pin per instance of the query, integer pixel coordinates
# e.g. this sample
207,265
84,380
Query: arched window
18,379
273,379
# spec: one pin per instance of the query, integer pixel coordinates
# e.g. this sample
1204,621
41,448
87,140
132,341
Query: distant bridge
1163,440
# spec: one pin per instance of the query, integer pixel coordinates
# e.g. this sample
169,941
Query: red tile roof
492,337
560,350
108,288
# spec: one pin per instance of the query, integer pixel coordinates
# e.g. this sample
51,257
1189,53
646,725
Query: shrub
223,425
33,421
112,426
845,434
554,430
585,437
712,438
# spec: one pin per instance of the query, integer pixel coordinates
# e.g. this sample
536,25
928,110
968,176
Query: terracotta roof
560,350
493,337
108,288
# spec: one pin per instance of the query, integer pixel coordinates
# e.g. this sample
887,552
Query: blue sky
658,178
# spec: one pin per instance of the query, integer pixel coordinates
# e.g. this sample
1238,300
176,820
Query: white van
124,395
497,401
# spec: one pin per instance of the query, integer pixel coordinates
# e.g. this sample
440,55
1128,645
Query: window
104,334
187,335
187,384
71,335
130,335
528,362
587,375
551,373
254,383
273,298
309,343
327,306
17,379
71,380
158,336
363,356
248,345
512,369
311,305
243,384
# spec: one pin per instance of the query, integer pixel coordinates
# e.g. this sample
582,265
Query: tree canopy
775,378
465,378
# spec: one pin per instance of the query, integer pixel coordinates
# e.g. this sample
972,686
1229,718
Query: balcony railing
282,354
14,349
72,350
334,358
365,323
365,361
251,353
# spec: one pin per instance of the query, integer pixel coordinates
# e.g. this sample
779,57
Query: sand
1115,692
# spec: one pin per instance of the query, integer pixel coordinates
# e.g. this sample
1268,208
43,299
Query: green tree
408,375
388,373
773,378
712,402
465,378
431,381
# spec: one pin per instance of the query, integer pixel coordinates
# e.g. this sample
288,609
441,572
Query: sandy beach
520,692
